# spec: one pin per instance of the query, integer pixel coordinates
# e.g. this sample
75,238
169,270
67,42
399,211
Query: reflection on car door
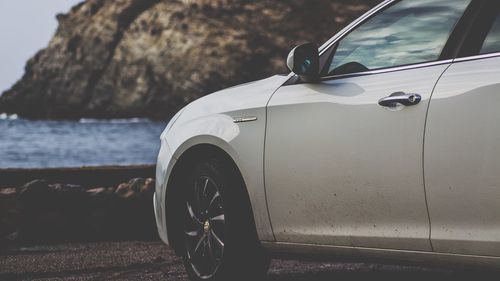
342,170
339,168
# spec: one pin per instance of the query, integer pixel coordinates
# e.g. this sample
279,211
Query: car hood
235,99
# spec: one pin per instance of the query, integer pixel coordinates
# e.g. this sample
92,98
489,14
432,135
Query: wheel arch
181,167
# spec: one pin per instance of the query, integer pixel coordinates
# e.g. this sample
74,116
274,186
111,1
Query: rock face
129,58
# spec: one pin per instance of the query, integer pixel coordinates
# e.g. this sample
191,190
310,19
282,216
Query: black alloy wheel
204,227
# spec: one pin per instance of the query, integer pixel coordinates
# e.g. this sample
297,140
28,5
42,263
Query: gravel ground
152,261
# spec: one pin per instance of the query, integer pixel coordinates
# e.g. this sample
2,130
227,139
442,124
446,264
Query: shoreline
87,176
54,205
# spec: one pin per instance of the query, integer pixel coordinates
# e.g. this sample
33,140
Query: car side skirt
383,256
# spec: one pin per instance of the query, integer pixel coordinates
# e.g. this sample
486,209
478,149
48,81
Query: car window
492,42
407,32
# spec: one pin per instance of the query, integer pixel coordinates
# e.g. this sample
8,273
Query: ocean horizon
85,142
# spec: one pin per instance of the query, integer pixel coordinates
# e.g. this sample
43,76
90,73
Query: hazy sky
25,27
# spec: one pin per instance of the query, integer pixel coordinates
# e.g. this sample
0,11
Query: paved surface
152,261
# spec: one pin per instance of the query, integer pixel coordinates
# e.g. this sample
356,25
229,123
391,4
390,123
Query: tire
218,232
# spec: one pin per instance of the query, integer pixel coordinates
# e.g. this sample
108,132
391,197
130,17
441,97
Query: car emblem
206,226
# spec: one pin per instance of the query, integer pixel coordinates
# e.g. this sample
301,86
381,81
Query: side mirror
303,60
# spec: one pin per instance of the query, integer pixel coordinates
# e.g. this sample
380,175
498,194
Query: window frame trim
388,69
476,57
442,59
342,33
368,15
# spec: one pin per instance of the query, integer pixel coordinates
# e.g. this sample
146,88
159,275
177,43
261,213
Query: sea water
87,142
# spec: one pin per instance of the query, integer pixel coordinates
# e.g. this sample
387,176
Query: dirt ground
153,261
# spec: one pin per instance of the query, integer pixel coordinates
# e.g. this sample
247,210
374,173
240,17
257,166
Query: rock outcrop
129,58
40,212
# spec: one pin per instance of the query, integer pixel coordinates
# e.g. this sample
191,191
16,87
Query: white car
382,144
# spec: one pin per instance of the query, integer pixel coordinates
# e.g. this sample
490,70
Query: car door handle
400,98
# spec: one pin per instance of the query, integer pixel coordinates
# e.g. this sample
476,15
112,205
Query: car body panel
341,169
360,254
462,159
210,120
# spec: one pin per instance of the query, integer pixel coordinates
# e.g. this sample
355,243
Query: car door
340,169
462,146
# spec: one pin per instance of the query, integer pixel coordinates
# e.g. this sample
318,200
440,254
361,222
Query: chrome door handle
400,98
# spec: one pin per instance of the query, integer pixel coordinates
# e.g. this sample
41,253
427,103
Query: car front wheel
218,233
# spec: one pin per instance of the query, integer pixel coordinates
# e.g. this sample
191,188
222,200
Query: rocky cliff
129,58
